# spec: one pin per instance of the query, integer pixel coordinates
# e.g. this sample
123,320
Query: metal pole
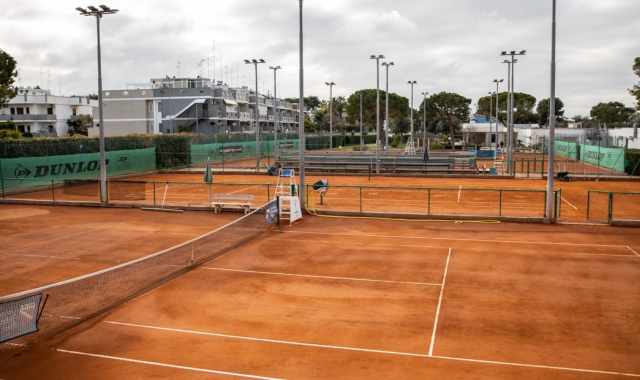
424,121
276,114
411,110
257,118
508,107
378,115
510,152
552,121
301,104
490,116
331,116
103,155
361,123
386,112
497,114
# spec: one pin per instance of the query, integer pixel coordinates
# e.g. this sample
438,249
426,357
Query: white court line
539,366
42,256
323,277
266,340
457,239
435,320
166,365
15,344
633,251
373,245
569,203
358,349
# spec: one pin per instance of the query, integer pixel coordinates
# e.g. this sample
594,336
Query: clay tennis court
363,298
46,244
475,197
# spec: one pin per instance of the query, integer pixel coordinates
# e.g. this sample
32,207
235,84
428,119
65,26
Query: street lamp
255,63
424,120
386,107
411,83
549,215
276,111
377,58
301,139
497,82
98,13
512,65
330,84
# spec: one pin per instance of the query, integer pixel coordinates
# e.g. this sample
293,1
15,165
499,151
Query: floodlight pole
497,82
424,120
98,13
256,113
549,209
361,123
377,58
490,117
301,106
411,83
386,107
276,113
512,64
330,84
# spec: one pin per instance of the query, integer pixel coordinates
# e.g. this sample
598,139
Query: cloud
452,45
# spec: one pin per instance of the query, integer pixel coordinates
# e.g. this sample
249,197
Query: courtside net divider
70,302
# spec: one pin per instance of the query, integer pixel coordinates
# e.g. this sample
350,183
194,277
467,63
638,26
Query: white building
39,113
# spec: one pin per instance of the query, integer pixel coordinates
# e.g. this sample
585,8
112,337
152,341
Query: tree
78,125
523,107
310,102
543,111
8,76
611,112
446,111
398,109
635,91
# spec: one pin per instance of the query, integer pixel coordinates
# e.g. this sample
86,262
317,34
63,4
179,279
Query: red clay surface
364,298
449,196
43,245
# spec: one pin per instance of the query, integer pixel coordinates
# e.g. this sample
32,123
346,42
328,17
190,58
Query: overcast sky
450,45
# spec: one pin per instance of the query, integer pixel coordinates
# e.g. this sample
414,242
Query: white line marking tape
357,349
633,251
437,316
158,364
569,203
322,277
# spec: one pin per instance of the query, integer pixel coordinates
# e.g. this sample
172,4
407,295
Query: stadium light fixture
98,13
255,62
377,58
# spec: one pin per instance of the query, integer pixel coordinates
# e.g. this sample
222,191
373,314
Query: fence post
528,172
1,181
53,193
610,211
589,205
360,199
154,193
429,202
268,191
556,209
500,204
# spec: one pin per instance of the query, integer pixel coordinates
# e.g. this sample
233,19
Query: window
27,110
13,111
50,110
74,111
51,129
20,111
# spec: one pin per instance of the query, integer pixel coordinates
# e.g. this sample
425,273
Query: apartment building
172,105
36,112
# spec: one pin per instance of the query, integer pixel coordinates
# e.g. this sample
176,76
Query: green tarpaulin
611,158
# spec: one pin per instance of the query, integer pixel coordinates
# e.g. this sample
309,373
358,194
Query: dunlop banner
611,158
30,172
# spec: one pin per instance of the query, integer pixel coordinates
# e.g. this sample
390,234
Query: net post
154,193
589,205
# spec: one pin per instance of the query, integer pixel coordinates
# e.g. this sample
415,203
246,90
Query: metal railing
613,207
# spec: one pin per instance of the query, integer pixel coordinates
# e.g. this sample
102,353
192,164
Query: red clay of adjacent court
363,298
46,244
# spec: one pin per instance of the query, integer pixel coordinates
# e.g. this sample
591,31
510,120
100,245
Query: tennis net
49,310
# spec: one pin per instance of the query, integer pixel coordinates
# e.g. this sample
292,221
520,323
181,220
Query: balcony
28,118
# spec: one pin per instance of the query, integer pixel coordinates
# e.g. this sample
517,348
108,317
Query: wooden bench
238,201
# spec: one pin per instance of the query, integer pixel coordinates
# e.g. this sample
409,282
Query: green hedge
632,161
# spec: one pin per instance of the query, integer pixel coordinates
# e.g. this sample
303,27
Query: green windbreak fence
24,173
230,151
567,149
611,158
